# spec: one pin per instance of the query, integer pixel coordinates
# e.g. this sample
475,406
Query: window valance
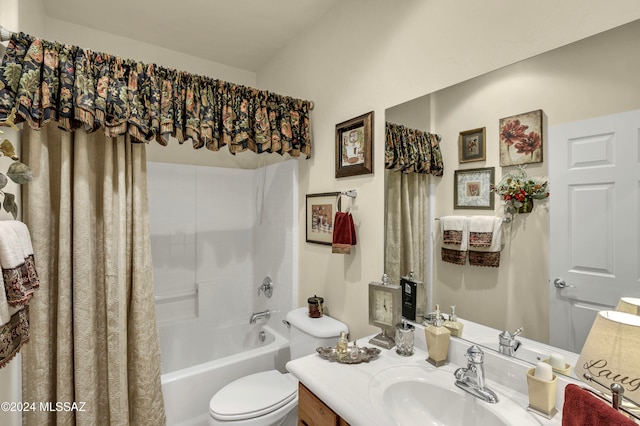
43,81
412,151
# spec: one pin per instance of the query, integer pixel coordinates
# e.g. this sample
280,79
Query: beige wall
371,55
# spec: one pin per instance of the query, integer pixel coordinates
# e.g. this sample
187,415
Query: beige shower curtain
93,332
406,225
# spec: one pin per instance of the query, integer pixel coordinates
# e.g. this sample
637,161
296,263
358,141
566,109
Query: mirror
590,78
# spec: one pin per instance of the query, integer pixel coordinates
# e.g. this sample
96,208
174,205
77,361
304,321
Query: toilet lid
252,396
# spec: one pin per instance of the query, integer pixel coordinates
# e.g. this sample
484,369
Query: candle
543,371
557,361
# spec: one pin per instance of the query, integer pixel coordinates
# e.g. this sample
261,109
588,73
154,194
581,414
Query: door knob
560,283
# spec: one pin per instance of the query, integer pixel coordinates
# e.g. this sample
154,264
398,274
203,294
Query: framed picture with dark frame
472,145
354,146
521,138
472,188
320,211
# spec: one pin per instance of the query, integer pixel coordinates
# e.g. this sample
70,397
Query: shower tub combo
195,368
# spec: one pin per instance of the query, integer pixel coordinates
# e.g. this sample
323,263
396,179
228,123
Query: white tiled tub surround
215,234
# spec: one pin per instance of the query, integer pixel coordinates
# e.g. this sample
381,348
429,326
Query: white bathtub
195,366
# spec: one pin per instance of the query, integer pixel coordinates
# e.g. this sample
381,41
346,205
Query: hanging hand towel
454,239
481,229
18,268
486,255
580,408
344,233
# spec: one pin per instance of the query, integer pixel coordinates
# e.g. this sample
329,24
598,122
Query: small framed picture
321,209
472,188
354,146
521,139
472,145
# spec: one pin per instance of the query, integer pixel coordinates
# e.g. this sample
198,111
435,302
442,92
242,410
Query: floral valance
43,81
412,151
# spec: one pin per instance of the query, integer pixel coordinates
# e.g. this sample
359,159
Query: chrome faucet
264,314
508,343
471,379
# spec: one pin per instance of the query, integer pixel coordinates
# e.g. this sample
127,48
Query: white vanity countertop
345,387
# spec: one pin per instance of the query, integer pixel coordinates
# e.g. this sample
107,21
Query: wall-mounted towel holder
504,219
616,396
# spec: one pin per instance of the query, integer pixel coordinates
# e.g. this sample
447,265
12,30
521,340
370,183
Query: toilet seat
253,396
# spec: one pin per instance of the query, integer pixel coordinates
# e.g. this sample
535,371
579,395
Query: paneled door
594,177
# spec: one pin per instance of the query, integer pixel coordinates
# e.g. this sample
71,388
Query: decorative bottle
342,346
437,338
453,325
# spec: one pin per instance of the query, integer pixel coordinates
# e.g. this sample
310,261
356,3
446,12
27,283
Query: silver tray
364,354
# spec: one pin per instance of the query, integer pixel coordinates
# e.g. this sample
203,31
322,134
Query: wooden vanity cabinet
313,412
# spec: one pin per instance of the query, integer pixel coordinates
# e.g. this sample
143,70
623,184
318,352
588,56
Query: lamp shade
611,352
630,305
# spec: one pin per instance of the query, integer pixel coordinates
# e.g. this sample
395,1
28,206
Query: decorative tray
363,354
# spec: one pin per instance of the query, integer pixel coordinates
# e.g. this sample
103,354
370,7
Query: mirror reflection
574,86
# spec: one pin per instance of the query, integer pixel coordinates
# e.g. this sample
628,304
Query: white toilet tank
306,333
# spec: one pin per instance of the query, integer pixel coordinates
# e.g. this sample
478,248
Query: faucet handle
475,355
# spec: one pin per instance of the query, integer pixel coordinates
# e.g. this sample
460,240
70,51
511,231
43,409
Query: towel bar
616,396
504,219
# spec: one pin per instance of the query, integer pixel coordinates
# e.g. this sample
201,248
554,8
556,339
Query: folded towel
344,233
454,239
481,230
16,260
583,409
487,255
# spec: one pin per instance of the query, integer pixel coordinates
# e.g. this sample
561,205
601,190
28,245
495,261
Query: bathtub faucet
264,314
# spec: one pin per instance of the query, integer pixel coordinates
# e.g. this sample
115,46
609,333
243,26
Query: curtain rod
5,35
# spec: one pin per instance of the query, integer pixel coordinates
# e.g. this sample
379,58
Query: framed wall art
521,139
472,145
354,146
472,188
321,209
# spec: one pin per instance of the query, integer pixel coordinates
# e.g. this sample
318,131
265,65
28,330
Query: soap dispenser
437,337
453,325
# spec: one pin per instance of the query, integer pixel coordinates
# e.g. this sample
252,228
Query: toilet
271,397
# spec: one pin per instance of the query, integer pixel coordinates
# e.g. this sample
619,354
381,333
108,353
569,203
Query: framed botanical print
472,145
472,188
521,139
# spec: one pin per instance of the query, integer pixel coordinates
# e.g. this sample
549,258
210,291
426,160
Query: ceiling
240,33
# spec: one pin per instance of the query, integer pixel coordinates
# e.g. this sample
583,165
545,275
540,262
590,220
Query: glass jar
315,306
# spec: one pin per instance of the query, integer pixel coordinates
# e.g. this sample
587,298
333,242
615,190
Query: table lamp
630,305
611,353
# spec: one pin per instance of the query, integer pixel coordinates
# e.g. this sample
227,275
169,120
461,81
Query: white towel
481,229
454,231
489,256
455,237
18,268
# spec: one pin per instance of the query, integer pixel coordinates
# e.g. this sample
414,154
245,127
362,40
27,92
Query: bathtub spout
264,314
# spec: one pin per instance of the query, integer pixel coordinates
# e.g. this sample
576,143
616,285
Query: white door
594,177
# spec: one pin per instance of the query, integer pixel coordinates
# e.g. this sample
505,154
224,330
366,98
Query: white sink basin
414,394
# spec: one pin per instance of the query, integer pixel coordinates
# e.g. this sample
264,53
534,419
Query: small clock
385,311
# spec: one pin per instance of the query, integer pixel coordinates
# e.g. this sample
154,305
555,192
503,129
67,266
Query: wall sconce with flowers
518,190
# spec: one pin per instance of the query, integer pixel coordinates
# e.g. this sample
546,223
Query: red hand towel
583,409
344,233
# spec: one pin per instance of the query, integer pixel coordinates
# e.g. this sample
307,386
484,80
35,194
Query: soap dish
364,354
566,370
